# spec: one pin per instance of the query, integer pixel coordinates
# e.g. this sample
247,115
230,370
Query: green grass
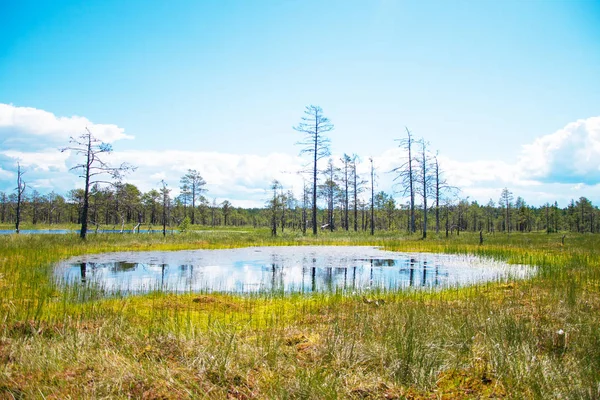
538,338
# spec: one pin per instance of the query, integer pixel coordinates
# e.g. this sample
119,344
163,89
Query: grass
537,339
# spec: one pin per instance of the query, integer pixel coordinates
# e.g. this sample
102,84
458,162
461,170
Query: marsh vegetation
533,338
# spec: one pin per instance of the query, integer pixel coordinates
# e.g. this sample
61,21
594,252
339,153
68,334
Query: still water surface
289,269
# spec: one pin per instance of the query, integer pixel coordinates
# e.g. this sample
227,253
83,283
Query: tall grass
538,338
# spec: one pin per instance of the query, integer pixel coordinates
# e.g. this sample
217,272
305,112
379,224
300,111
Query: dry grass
535,339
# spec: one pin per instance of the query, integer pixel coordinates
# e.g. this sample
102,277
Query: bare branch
91,148
314,125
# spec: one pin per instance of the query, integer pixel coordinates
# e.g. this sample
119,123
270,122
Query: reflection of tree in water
82,270
122,266
186,272
276,277
117,266
345,273
383,262
328,274
163,267
162,274
319,272
309,267
186,267
277,273
328,278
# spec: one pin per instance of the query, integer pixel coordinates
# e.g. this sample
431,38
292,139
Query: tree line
114,207
334,197
125,204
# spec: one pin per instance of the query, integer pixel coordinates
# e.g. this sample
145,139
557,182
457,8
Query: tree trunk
314,204
86,195
372,199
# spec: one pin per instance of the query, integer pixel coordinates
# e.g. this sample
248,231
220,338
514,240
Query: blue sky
226,80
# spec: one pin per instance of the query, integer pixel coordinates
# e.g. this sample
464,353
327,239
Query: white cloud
159,176
569,155
558,166
6,175
27,125
237,177
31,137
47,160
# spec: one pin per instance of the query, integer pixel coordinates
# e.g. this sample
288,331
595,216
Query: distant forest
334,197
124,204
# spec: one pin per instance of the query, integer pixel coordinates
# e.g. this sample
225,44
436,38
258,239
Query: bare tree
442,188
314,126
425,178
357,187
372,197
93,168
20,190
405,176
193,184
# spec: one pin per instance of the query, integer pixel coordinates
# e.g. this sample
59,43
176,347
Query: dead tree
357,187
441,190
93,168
405,176
314,126
347,174
372,197
423,174
20,191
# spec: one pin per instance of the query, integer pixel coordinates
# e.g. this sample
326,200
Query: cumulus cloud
31,137
5,175
25,128
558,166
240,178
46,160
569,155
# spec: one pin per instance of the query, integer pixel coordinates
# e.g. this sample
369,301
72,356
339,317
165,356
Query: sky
507,93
